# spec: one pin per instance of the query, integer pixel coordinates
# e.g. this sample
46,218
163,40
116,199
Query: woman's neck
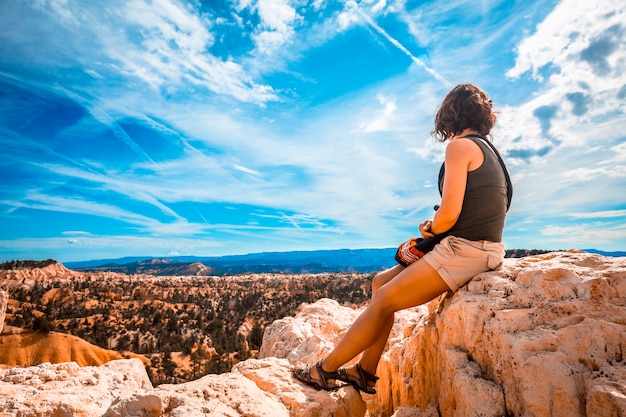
465,132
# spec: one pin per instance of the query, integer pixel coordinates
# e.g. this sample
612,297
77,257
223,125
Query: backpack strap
509,184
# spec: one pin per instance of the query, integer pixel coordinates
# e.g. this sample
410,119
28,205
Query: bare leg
371,356
413,286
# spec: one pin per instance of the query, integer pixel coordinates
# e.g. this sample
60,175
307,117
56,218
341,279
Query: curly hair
465,107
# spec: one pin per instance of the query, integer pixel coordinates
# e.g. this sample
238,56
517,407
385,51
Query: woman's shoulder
466,152
462,146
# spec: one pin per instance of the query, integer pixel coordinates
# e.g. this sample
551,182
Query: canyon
181,327
542,336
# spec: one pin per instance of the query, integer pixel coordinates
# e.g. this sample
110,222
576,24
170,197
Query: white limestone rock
65,389
255,388
544,336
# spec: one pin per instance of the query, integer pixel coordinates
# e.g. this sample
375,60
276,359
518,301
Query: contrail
403,49
103,116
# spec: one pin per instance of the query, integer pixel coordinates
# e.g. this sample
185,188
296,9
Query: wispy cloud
296,124
575,67
600,214
277,21
584,236
39,201
382,122
165,44
354,6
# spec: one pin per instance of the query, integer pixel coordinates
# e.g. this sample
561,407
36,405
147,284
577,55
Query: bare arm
462,155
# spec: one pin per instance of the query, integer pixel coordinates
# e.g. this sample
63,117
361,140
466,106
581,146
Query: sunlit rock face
122,388
66,389
4,299
543,336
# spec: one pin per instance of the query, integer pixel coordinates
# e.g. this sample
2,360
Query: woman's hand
425,229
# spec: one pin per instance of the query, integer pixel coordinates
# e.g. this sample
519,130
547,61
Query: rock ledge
543,336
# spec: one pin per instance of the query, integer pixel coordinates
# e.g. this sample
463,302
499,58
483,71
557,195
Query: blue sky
171,127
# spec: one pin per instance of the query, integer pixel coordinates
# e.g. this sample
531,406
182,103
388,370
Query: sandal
360,382
303,374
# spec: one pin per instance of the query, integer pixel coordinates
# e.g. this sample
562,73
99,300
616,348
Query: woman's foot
358,378
314,375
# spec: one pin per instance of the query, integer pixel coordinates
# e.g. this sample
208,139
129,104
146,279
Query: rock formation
49,272
27,348
66,389
543,336
19,347
4,300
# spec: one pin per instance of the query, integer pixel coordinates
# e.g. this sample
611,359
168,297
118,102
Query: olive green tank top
485,202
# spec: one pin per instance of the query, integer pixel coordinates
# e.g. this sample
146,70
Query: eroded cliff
543,336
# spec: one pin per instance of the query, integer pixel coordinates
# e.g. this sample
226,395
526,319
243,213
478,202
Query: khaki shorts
457,260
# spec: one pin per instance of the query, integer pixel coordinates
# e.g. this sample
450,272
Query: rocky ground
543,336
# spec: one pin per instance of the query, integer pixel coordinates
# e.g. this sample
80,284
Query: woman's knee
384,277
382,303
377,282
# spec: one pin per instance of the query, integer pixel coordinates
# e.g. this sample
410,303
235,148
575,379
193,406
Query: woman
472,211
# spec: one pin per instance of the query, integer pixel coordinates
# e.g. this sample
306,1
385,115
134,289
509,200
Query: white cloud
136,190
567,31
170,21
277,15
585,236
276,28
97,247
378,6
248,171
619,154
385,118
39,201
75,233
174,49
94,74
269,41
600,214
164,43
368,19
58,7
349,16
595,173
340,166
577,54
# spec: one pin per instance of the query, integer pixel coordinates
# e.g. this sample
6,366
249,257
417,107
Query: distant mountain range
600,252
296,262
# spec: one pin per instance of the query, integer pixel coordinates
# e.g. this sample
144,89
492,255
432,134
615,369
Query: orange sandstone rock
544,336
